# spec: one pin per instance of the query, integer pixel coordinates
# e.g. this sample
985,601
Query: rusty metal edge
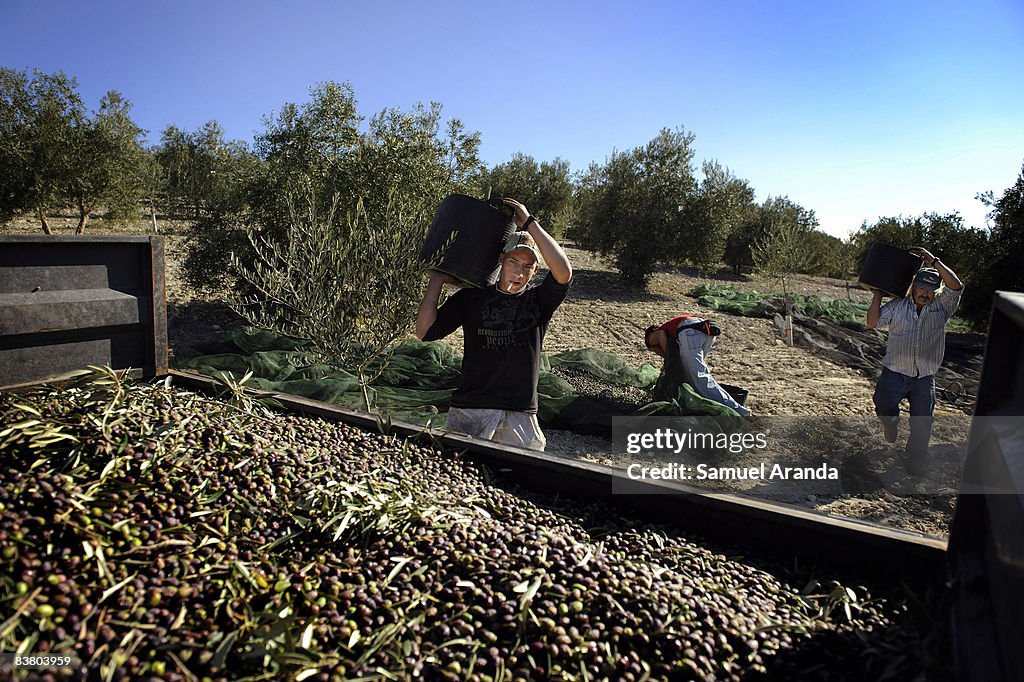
96,238
158,277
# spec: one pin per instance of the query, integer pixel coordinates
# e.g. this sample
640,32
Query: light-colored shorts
509,427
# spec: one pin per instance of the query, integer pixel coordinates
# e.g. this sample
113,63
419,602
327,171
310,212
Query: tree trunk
788,310
83,217
42,220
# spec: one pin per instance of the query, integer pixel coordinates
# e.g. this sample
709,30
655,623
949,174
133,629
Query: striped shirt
917,342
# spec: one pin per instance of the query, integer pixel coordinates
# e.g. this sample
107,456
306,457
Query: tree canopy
999,266
721,205
55,154
633,206
546,188
325,244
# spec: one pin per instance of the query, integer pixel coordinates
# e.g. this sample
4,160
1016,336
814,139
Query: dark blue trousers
892,387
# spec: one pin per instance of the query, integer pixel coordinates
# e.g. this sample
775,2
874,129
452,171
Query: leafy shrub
348,286
322,240
1001,264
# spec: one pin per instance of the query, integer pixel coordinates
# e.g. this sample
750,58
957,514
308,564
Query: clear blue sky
855,109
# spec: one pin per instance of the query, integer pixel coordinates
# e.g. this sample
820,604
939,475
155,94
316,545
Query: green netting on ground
603,365
767,304
413,382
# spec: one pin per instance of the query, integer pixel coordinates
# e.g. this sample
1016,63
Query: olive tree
716,210
112,164
200,168
829,256
41,121
326,247
1000,266
341,282
632,207
782,248
54,154
307,150
545,187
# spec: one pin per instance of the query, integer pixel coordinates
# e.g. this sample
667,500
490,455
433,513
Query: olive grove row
319,219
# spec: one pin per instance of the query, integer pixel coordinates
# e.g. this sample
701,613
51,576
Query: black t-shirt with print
503,336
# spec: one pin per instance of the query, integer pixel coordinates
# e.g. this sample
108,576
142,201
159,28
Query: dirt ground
782,381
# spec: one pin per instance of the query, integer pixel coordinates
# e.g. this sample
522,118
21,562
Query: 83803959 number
38,661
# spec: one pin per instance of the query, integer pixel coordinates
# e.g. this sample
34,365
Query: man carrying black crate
913,353
503,334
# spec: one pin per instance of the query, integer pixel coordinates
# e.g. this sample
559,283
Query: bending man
694,337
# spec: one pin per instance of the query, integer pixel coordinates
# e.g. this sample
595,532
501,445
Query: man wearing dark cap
913,352
503,330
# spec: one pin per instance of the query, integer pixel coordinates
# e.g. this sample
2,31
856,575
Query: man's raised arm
553,254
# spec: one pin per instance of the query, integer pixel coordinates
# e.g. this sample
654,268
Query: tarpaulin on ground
757,304
414,380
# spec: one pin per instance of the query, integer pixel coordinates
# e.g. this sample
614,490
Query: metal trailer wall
986,545
70,302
